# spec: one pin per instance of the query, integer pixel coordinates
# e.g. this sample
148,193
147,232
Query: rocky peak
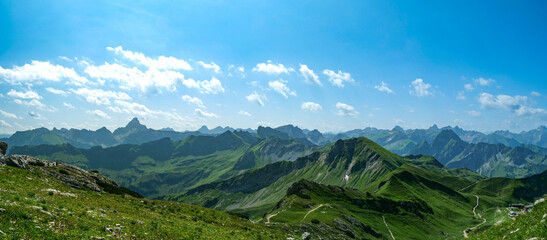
134,123
397,128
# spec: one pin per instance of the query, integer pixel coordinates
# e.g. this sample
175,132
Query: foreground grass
37,206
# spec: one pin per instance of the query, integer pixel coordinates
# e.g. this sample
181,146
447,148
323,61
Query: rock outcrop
3,148
70,175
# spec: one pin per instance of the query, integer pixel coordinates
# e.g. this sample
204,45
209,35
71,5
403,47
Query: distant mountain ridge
491,160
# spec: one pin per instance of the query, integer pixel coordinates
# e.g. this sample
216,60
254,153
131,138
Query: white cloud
38,71
536,94
272,68
421,89
474,113
202,113
57,91
338,79
280,87
243,113
35,115
468,87
308,74
9,115
211,65
161,63
256,98
484,82
131,78
461,96
193,100
346,110
98,113
4,124
211,87
208,87
132,108
516,104
398,121
99,96
383,88
68,105
24,95
36,103
311,107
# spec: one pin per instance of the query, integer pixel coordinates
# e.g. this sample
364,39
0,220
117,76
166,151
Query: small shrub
50,193
315,221
39,164
31,194
63,171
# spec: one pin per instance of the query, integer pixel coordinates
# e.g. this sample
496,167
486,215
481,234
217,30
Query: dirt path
388,228
467,186
272,215
475,214
310,211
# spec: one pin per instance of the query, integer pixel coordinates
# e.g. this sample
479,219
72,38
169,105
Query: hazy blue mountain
491,160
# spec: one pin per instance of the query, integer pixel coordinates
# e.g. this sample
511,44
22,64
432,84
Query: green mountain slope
354,163
164,166
35,203
491,160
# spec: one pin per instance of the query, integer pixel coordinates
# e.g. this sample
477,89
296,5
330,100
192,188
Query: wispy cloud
280,87
193,100
256,98
24,95
383,88
98,113
57,91
243,113
484,82
9,115
99,96
211,65
309,75
160,63
202,113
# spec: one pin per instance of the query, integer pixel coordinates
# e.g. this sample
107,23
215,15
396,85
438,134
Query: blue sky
329,65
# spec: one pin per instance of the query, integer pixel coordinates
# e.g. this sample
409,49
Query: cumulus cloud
271,68
309,76
421,89
193,100
256,98
205,114
24,95
516,104
468,87
213,86
133,78
9,115
35,115
57,91
99,96
484,82
474,113
38,71
161,63
338,79
280,87
211,65
243,113
311,107
98,113
383,88
346,110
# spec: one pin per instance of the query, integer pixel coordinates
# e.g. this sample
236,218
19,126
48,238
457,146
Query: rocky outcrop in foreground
70,175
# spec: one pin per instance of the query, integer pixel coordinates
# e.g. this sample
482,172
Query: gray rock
306,236
3,148
2,233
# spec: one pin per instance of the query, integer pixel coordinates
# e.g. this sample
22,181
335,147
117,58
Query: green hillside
36,205
164,167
